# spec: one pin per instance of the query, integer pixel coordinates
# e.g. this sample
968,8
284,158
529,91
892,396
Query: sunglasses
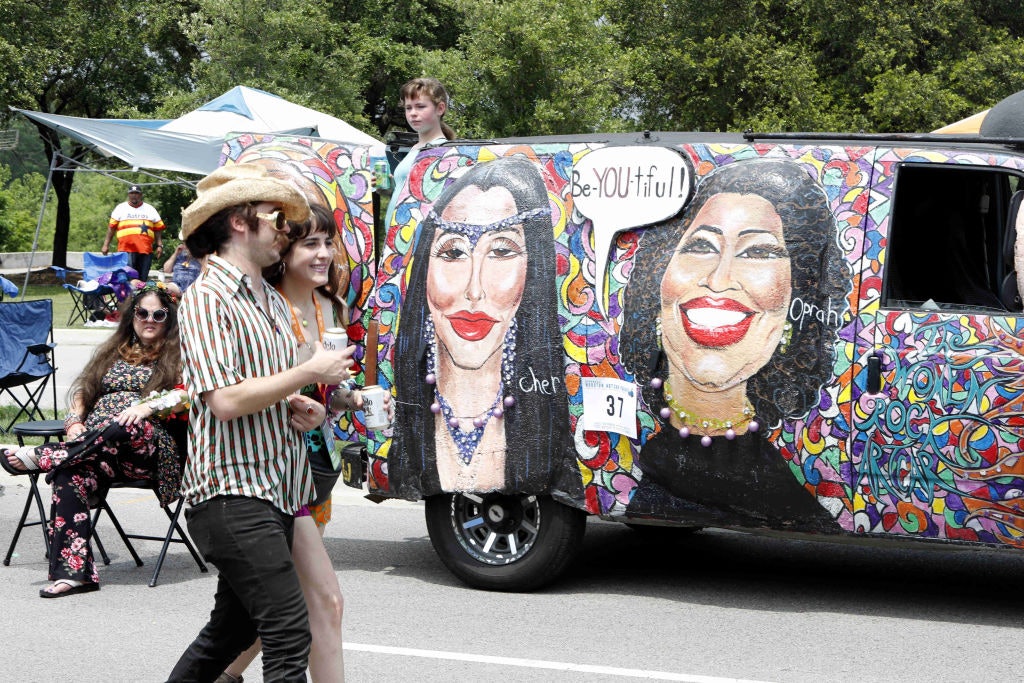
276,219
144,314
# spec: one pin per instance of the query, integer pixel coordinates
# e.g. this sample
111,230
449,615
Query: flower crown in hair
142,288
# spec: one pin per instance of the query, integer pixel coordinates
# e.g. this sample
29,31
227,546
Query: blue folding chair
26,357
89,296
7,288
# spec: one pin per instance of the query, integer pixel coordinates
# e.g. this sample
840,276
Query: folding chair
7,288
89,295
26,357
175,533
47,429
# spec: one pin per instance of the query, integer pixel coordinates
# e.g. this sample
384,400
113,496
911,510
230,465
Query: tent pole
39,223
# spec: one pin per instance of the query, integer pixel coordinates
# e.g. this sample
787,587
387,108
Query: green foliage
20,199
87,58
534,67
290,48
516,67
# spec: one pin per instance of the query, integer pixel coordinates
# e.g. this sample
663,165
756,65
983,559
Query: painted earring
787,336
657,331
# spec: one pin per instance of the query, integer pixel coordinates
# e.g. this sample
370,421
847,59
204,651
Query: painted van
819,335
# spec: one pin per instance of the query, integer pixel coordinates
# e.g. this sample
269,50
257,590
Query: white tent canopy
246,110
138,146
193,142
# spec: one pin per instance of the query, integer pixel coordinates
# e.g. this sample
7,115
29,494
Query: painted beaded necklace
467,441
708,425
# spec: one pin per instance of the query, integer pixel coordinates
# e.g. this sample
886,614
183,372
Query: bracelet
71,420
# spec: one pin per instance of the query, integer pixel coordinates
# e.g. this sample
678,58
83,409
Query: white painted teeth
714,317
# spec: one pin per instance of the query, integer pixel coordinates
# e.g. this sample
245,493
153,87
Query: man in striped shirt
138,229
247,473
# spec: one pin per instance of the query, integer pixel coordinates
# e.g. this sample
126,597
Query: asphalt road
709,607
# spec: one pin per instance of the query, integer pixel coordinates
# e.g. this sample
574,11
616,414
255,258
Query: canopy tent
140,146
247,110
190,144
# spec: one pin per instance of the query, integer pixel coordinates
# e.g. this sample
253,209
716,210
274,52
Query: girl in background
425,101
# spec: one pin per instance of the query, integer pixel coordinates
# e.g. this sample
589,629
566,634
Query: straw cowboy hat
239,184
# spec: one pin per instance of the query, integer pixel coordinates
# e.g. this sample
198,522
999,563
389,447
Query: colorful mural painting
935,453
730,342
688,340
481,374
595,336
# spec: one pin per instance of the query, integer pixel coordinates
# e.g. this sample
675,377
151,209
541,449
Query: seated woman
183,267
115,431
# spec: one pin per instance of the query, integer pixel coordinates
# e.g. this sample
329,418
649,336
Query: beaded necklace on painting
298,329
705,425
467,441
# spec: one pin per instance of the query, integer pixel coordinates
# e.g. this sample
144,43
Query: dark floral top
122,386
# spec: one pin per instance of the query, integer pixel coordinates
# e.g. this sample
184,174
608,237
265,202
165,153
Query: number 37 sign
609,405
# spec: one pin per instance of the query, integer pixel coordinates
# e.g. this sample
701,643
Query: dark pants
258,591
141,263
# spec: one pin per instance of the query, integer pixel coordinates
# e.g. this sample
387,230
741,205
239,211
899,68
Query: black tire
503,542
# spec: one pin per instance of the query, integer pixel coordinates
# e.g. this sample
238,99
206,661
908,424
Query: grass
7,414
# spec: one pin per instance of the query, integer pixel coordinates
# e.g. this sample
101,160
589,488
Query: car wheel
504,542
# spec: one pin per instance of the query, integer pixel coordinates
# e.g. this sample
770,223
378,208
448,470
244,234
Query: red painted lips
714,322
472,326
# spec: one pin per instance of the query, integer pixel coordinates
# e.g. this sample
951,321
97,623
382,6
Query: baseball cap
135,188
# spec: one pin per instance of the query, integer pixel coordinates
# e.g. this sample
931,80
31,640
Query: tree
534,67
816,65
93,59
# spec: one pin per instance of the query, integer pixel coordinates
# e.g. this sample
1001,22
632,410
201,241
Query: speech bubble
620,188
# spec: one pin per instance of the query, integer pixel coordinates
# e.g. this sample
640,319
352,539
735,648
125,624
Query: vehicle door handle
874,374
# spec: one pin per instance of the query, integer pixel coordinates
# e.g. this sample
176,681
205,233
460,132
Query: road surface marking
544,664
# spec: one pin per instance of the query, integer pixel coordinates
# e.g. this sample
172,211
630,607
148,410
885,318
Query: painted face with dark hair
725,294
476,275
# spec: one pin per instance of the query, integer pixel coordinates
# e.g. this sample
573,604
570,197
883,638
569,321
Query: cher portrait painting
479,373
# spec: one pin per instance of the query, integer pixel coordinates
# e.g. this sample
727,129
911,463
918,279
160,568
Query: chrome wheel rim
494,528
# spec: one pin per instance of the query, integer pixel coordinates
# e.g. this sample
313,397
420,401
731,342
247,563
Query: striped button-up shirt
227,337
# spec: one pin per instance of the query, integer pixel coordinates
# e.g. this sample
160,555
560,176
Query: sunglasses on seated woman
276,219
144,314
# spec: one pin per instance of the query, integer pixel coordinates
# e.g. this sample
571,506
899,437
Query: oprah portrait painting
478,326
709,336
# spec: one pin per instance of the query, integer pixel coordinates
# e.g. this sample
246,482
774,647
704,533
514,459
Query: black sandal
75,588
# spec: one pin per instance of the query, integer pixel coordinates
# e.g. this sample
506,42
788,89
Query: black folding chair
26,358
47,429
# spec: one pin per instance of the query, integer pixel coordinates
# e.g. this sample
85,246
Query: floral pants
80,472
